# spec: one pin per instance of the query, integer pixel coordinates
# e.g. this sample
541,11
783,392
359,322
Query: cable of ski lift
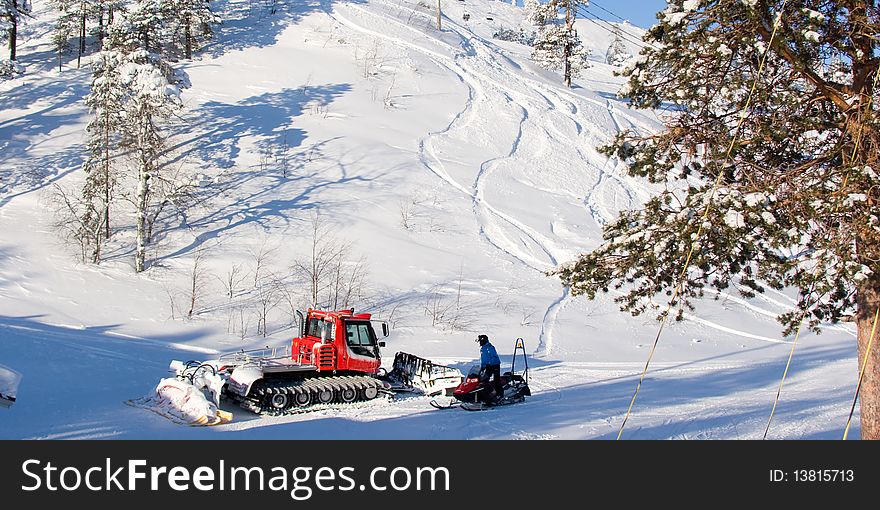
593,2
595,19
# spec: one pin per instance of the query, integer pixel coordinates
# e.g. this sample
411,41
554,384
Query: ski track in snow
477,66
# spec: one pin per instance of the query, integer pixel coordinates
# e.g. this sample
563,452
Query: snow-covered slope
456,168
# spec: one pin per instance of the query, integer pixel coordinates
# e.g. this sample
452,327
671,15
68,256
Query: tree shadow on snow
219,128
259,23
75,379
275,203
25,166
596,408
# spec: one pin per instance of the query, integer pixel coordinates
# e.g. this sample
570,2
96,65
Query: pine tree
153,97
796,205
103,12
193,20
556,45
12,12
106,104
147,21
71,23
617,53
133,92
172,27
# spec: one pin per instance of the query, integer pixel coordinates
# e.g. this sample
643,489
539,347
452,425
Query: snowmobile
477,393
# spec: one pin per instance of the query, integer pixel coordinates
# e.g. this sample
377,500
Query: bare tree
232,280
80,222
335,278
198,281
172,301
388,101
407,214
266,300
346,280
320,261
289,296
261,259
527,315
437,308
244,322
449,310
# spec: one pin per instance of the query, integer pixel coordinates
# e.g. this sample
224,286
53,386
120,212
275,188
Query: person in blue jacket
490,365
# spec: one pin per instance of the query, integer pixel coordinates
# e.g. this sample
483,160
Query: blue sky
638,12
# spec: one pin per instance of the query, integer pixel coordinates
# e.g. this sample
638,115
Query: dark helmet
483,339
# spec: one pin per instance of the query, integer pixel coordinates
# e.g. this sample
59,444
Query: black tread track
259,398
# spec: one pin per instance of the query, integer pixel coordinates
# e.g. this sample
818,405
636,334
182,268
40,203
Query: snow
690,5
816,16
811,35
675,18
500,161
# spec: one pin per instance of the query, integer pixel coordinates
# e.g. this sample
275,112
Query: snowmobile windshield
474,372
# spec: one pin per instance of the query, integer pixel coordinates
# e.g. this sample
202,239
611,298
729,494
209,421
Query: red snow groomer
335,359
477,393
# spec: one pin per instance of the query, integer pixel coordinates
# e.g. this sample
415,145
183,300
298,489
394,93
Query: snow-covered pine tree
12,12
172,27
556,45
71,24
106,104
103,12
154,96
146,91
193,20
797,204
617,53
148,23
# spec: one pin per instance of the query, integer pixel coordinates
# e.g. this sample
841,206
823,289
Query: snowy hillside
457,169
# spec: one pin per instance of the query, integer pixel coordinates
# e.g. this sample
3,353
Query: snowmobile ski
449,405
482,406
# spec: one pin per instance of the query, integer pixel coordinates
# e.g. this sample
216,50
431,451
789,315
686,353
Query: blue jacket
488,355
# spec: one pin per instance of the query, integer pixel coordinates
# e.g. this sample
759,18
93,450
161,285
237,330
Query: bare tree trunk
869,394
101,26
439,14
82,35
566,49
196,282
188,36
142,193
13,30
106,180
